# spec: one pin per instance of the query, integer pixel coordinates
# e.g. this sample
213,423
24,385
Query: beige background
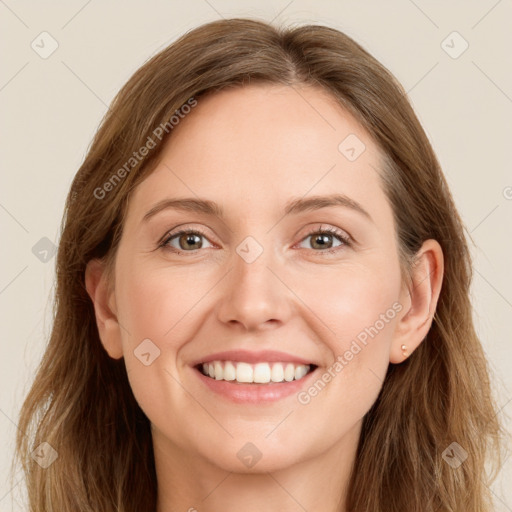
51,108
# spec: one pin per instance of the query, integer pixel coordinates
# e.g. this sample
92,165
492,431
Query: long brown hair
81,402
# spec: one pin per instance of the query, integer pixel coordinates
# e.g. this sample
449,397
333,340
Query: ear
104,307
419,299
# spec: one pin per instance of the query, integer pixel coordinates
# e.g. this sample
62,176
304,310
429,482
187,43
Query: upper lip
250,356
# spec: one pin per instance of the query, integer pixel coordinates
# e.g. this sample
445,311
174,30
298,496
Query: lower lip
254,393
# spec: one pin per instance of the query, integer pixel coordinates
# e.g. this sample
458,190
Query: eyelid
321,228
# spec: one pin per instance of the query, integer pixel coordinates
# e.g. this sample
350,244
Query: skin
251,150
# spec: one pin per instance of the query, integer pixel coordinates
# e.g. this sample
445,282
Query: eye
322,239
188,240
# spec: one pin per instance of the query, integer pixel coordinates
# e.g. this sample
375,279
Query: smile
259,373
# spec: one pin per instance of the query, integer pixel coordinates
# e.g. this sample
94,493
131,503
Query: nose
254,295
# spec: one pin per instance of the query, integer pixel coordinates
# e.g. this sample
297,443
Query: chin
259,456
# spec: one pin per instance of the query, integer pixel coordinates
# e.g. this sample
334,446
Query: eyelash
329,230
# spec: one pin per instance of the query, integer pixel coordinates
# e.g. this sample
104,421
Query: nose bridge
253,294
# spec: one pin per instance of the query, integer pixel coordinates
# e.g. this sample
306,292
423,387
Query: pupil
323,240
191,239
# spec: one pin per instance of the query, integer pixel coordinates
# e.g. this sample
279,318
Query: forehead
265,144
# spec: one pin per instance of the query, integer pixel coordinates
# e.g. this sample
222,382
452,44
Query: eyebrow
294,206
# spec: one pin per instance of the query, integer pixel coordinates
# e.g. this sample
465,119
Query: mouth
253,377
263,373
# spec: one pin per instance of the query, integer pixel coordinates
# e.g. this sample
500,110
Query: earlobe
105,308
421,297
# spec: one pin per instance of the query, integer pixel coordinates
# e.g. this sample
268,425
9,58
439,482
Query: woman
262,296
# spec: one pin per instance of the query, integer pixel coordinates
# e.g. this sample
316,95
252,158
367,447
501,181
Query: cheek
354,303
362,315
156,307
360,309
157,303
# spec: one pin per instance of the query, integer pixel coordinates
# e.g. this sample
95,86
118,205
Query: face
264,281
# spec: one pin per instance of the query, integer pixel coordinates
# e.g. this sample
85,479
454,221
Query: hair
81,402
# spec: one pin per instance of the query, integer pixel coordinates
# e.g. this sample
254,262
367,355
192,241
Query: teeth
289,372
277,374
260,373
219,371
229,371
300,371
244,372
